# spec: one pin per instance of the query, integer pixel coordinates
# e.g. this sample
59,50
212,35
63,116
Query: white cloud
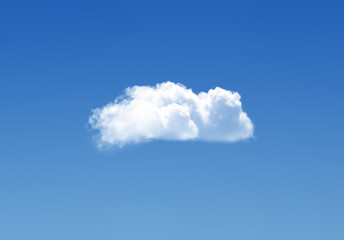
170,111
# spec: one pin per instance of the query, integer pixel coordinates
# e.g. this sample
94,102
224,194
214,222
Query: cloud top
170,111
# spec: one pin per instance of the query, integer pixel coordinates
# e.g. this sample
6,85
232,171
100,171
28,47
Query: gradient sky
60,60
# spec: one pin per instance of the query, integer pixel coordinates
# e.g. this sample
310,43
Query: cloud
171,111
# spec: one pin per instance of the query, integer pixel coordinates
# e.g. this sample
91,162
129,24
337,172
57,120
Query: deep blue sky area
60,59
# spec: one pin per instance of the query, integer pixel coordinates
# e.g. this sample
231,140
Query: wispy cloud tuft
170,111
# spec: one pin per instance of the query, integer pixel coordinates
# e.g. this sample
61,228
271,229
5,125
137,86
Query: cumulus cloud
170,111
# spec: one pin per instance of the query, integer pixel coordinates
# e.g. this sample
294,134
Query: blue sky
60,60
